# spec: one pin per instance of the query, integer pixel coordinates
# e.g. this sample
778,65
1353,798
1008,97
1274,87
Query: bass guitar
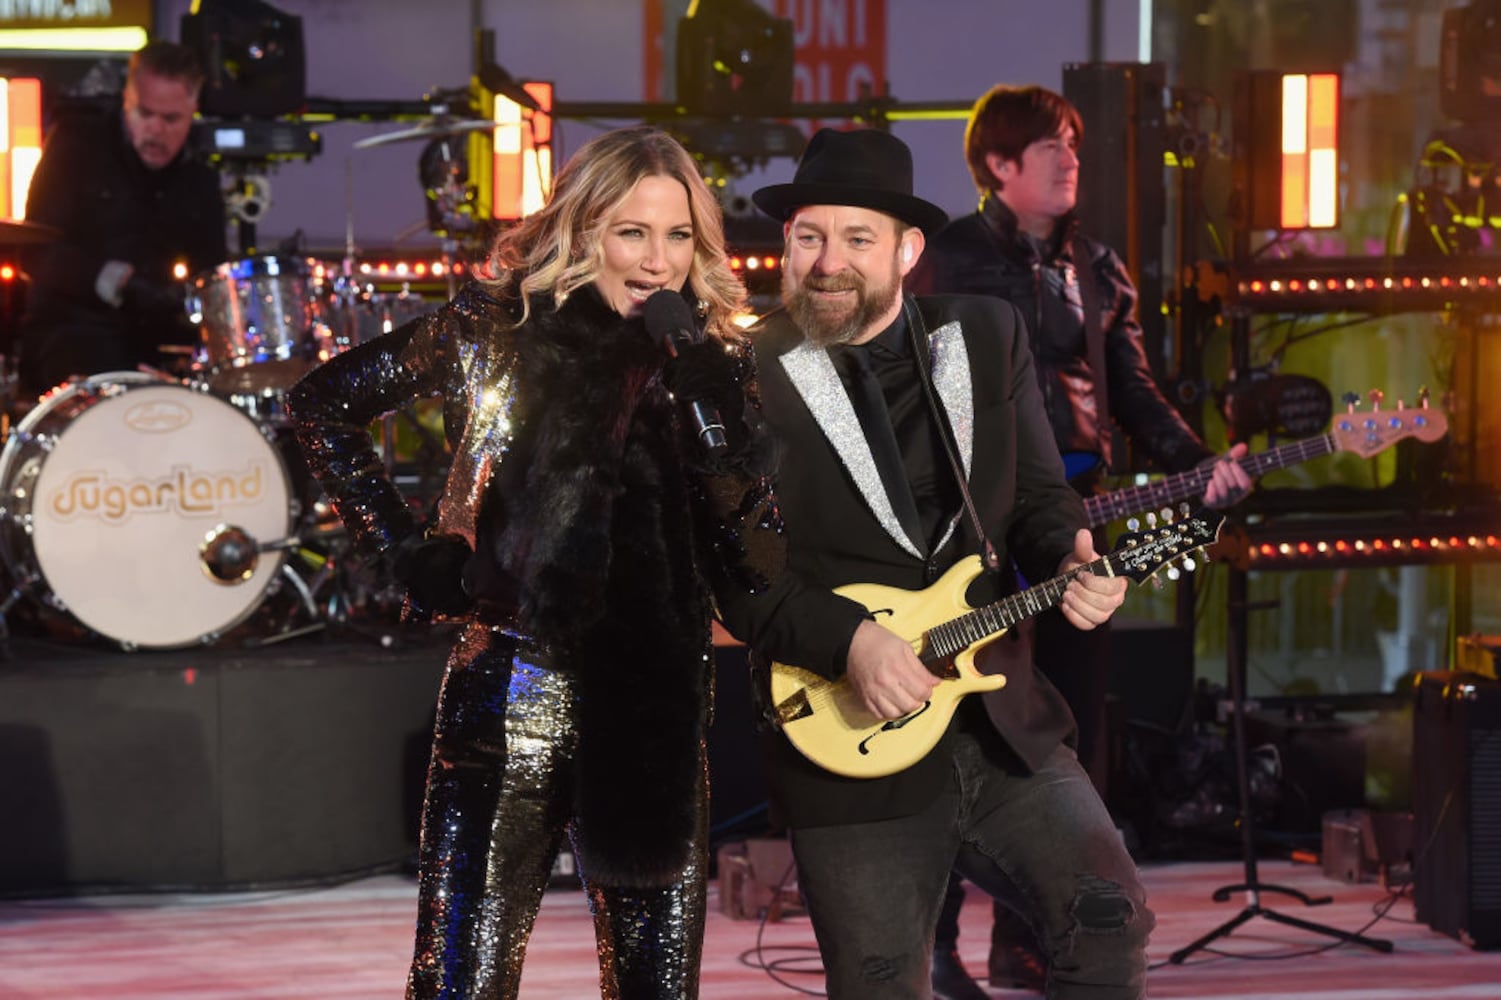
1366,433
826,719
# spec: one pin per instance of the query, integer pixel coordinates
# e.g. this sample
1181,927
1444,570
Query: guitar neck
1169,490
957,634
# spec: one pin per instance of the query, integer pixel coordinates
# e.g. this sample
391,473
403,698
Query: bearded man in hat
910,434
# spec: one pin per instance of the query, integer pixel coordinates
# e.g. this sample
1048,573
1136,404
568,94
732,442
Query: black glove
705,372
432,571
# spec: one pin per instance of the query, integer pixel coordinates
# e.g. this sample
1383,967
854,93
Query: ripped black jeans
1043,841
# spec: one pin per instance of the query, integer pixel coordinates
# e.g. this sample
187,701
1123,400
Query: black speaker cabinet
1152,671
1122,191
1456,782
211,768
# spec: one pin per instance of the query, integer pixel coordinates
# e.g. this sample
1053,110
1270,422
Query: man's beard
825,327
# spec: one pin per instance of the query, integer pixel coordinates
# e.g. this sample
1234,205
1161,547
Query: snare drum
260,323
140,508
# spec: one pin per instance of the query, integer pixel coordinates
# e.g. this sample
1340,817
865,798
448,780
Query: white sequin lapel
951,377
813,375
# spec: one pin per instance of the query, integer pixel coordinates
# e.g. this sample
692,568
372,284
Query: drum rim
287,266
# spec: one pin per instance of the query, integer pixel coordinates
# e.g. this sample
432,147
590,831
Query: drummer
131,203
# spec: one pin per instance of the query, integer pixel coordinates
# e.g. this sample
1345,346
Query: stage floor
352,942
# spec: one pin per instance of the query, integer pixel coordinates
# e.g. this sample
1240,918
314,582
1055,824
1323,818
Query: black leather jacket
92,185
985,253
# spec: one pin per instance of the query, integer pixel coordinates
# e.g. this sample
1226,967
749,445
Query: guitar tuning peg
1189,565
1166,515
1184,509
1151,520
1423,396
1375,396
1350,400
1132,524
1401,405
1173,573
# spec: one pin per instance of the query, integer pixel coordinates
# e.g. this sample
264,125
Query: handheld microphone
670,322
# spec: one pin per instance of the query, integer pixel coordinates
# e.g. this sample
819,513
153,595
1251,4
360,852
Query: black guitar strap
917,330
1094,338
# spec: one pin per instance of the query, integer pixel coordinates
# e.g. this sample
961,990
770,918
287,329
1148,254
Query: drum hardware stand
248,203
335,612
11,599
449,248
304,593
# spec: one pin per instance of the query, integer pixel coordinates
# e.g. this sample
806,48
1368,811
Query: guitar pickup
794,707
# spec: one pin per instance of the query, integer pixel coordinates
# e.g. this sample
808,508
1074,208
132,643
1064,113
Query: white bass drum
142,509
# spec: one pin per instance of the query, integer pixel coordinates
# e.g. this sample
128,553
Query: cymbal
433,128
17,232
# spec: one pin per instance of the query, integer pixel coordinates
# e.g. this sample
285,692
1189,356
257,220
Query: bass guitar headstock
1369,432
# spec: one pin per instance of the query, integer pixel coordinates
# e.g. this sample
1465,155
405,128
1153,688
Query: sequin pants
499,797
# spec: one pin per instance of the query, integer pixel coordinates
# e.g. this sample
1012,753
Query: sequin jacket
574,481
467,353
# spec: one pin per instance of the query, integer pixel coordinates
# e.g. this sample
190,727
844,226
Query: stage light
126,39
521,158
1310,151
253,57
20,142
1286,150
1457,283
734,58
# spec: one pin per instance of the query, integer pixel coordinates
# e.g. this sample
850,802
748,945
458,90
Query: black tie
875,421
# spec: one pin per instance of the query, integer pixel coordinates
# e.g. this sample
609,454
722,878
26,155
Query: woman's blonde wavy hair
558,250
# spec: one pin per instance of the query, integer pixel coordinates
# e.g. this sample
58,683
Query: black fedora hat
865,168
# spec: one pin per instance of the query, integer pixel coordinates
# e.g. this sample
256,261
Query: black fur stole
599,537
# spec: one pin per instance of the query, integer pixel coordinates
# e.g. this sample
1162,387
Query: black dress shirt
929,474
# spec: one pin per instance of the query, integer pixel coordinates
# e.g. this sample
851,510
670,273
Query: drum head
132,507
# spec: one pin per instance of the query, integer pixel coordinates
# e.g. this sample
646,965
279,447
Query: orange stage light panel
20,142
522,142
1310,151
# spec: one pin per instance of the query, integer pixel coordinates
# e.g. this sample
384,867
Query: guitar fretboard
958,634
1136,557
1170,489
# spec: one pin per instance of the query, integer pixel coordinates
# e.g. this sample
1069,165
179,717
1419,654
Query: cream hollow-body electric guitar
830,725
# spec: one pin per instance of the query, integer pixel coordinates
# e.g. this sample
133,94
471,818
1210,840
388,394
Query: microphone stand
1237,607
